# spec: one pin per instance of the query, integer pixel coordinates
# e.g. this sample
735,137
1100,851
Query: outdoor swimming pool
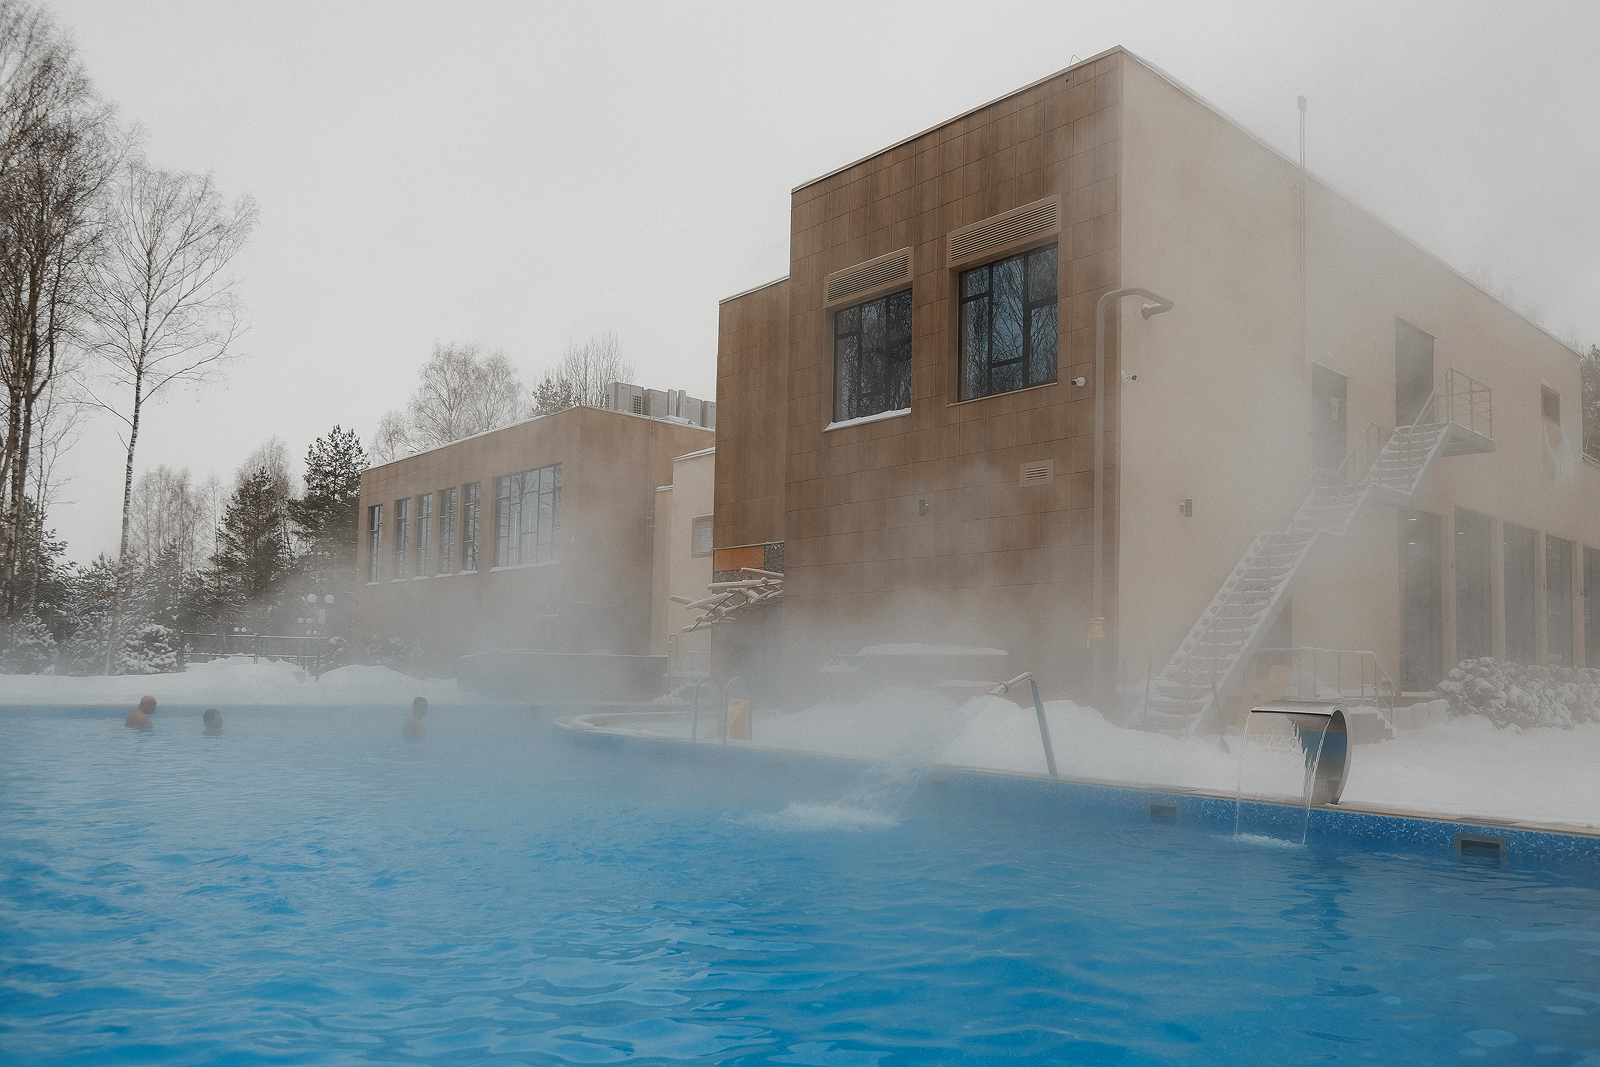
310,889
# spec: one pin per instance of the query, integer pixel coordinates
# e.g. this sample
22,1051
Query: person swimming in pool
213,721
413,730
139,717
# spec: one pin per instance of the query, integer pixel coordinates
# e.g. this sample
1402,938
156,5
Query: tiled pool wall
810,776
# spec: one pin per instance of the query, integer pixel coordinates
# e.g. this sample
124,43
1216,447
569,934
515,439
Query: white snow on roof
929,650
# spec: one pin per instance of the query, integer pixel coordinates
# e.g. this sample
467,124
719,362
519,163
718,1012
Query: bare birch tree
583,377
462,390
166,311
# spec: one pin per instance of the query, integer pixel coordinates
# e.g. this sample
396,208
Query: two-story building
1092,374
536,537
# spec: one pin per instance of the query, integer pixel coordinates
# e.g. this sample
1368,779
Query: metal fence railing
1465,401
1321,673
310,653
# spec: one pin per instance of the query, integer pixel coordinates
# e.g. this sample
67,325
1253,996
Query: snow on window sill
419,577
864,419
525,566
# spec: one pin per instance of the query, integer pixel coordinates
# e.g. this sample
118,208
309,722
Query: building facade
536,536
908,420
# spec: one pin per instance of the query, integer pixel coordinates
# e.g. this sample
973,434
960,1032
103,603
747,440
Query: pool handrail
1044,727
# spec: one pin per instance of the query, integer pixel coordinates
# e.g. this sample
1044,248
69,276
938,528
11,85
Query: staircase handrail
1339,474
1383,686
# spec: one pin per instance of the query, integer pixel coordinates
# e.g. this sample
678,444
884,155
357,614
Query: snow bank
223,682
1462,767
1518,694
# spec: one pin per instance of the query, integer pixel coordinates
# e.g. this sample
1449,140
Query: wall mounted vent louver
1040,472
1005,229
873,274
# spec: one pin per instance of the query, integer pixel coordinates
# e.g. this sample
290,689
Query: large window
469,528
1591,607
1008,324
374,542
1517,543
1474,591
1421,601
527,515
872,357
447,531
1558,600
424,533
402,539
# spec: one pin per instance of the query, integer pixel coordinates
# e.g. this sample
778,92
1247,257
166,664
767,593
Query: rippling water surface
309,889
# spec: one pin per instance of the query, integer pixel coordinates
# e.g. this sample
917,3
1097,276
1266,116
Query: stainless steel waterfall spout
1324,737
1044,727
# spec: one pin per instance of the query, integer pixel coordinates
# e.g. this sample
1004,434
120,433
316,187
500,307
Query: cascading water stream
1299,719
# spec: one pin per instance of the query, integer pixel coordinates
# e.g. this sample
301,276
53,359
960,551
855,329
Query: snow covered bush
148,648
29,648
85,651
1518,694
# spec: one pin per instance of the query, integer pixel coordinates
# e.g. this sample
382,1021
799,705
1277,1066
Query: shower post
1157,306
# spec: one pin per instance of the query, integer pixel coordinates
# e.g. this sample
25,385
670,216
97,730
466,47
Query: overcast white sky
523,175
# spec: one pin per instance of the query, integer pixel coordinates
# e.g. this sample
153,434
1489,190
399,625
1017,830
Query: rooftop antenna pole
1301,103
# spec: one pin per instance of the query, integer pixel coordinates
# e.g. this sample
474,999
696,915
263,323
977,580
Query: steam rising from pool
879,795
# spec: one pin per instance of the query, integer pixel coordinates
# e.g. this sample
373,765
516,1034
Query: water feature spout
1324,737
1044,727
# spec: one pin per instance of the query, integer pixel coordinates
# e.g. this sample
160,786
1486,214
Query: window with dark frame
374,542
872,357
402,539
469,529
1558,605
424,534
1550,403
1008,324
447,530
527,515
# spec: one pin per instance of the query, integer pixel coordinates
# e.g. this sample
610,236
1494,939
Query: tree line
206,559
464,390
113,290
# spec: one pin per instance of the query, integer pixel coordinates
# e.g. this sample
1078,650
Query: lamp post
1097,621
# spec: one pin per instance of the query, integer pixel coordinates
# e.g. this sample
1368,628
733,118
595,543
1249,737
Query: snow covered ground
233,682
1465,766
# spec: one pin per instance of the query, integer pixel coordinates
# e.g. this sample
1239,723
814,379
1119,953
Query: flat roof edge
753,289
957,118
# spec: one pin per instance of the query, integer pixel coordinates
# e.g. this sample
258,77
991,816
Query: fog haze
523,175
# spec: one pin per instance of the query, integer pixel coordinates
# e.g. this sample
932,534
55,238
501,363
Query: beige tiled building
536,536
907,420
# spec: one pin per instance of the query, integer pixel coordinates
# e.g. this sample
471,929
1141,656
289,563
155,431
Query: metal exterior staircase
1384,467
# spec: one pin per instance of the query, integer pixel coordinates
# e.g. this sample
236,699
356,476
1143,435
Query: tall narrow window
1591,607
527,515
1518,543
374,542
424,533
872,357
1008,324
1421,602
1558,600
447,530
1474,599
469,528
402,538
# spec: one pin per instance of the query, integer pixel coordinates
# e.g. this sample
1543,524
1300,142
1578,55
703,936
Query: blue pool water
309,889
